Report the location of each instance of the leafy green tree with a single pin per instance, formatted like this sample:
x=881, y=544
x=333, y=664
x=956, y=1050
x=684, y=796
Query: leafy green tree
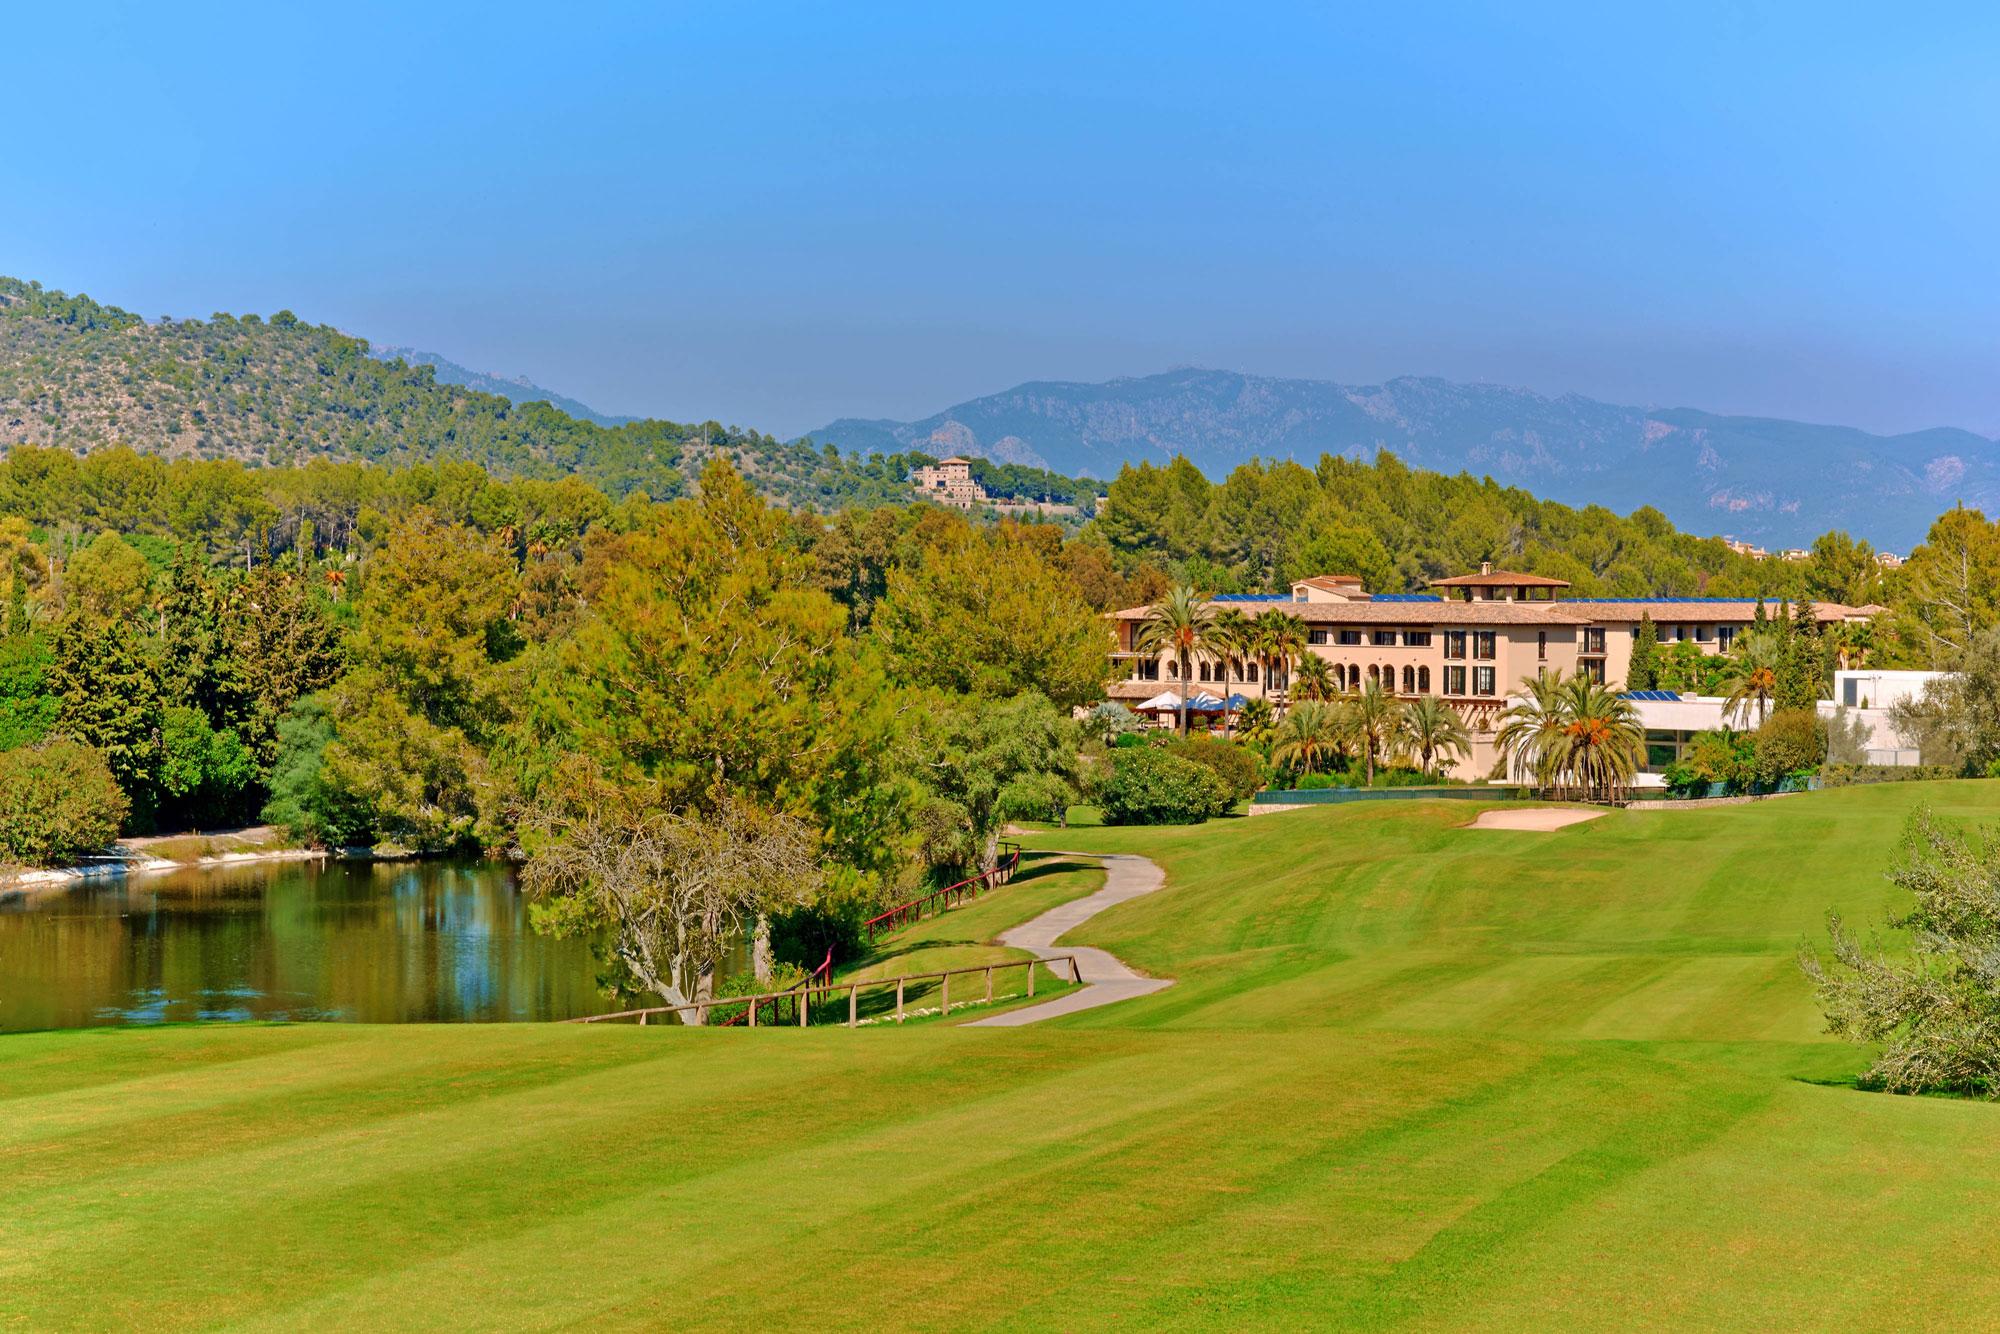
x=107, y=580
x=301, y=799
x=972, y=752
x=204, y=774
x=1791, y=740
x=1956, y=721
x=58, y=803
x=29, y=706
x=1644, y=671
x=110, y=700
x=991, y=616
x=1931, y=1019
x=1950, y=589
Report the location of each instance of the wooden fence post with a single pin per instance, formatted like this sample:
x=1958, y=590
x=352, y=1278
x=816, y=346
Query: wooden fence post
x=753, y=1014
x=989, y=984
x=1032, y=966
x=805, y=1005
x=946, y=993
x=899, y=1000
x=853, y=1003
x=642, y=1018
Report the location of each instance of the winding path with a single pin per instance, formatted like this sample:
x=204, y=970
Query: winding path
x=1105, y=979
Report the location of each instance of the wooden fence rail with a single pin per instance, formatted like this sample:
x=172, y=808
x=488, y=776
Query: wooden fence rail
x=950, y=896
x=802, y=1000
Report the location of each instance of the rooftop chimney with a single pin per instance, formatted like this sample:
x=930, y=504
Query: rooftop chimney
x=1486, y=567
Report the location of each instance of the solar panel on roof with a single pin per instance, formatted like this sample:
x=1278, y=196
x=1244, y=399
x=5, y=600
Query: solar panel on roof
x=1251, y=597
x=1653, y=696
x=1407, y=597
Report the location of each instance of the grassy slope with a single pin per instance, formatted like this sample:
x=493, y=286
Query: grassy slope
x=1411, y=1074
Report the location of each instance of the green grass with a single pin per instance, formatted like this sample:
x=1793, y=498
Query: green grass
x=1411, y=1075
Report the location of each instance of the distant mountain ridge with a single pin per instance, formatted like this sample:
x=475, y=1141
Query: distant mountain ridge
x=516, y=389
x=1768, y=480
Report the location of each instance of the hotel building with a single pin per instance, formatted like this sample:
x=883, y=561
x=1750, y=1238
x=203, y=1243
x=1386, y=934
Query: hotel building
x=1472, y=641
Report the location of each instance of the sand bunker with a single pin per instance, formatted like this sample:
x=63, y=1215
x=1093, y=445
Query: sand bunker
x=1542, y=818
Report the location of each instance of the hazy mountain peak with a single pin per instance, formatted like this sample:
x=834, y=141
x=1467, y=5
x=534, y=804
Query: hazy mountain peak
x=1765, y=479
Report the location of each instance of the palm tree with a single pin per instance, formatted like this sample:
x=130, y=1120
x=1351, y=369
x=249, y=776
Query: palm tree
x=1529, y=727
x=1430, y=727
x=1232, y=635
x=1603, y=741
x=1257, y=721
x=1309, y=737
x=1753, y=676
x=1372, y=714
x=1314, y=680
x=1178, y=624
x=1281, y=637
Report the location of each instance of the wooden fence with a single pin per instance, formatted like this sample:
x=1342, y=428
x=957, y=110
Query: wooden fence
x=800, y=1002
x=949, y=897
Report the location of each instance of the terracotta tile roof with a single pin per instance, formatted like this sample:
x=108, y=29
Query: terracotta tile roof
x=1333, y=582
x=1698, y=609
x=1500, y=579
x=1408, y=613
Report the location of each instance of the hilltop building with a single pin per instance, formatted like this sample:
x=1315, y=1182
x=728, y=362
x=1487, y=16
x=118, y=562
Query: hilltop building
x=950, y=482
x=1471, y=642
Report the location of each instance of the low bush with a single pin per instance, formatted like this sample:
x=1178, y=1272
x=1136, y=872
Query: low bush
x=1855, y=775
x=58, y=803
x=1130, y=741
x=1791, y=741
x=1042, y=797
x=1237, y=766
x=1155, y=786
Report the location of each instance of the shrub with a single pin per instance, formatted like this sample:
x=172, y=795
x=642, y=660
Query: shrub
x=1790, y=741
x=1236, y=766
x=1043, y=797
x=1318, y=782
x=1855, y=775
x=1158, y=787
x=58, y=802
x=1130, y=741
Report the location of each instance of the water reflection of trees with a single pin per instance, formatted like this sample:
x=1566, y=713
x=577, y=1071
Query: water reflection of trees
x=381, y=943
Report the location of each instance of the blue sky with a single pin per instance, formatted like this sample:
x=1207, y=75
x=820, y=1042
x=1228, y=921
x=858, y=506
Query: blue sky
x=775, y=215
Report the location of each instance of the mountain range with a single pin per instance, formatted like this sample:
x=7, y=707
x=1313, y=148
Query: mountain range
x=1762, y=479
x=515, y=389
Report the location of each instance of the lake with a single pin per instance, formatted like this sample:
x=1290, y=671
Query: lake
x=367, y=942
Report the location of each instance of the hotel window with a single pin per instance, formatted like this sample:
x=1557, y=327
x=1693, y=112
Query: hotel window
x=1409, y=680
x=1701, y=634
x=1593, y=639
x=1204, y=671
x=1424, y=680
x=1350, y=637
x=1725, y=635
x=1482, y=644
x=1541, y=645
x=1250, y=672
x=1454, y=680
x=1482, y=680
x=1316, y=637
x=1149, y=669
x=1174, y=670
x=1454, y=644
x=1593, y=669
x=1416, y=639
x=1385, y=638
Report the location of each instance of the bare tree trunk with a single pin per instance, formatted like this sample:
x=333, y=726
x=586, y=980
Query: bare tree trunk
x=760, y=951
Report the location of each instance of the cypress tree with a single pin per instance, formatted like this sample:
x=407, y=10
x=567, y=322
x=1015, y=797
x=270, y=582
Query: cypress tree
x=1644, y=673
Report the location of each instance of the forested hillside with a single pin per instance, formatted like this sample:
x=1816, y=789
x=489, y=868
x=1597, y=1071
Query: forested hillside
x=85, y=376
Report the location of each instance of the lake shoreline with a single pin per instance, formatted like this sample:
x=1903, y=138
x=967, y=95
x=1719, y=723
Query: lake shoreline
x=130, y=859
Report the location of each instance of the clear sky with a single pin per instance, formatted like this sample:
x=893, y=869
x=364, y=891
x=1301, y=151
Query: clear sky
x=774, y=215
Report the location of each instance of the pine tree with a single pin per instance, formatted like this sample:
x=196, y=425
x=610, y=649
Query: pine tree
x=1644, y=671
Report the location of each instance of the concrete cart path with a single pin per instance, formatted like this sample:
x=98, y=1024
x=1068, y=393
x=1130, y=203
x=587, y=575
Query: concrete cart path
x=1105, y=979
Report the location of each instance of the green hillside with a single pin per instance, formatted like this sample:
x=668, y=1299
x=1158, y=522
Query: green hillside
x=1411, y=1075
x=85, y=376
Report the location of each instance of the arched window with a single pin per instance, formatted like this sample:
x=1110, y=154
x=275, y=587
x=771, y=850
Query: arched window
x=1374, y=672
x=1250, y=672
x=1204, y=669
x=1424, y=680
x=1174, y=669
x=1409, y=680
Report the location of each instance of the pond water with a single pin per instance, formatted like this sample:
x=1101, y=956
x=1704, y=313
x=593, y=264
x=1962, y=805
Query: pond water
x=370, y=942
